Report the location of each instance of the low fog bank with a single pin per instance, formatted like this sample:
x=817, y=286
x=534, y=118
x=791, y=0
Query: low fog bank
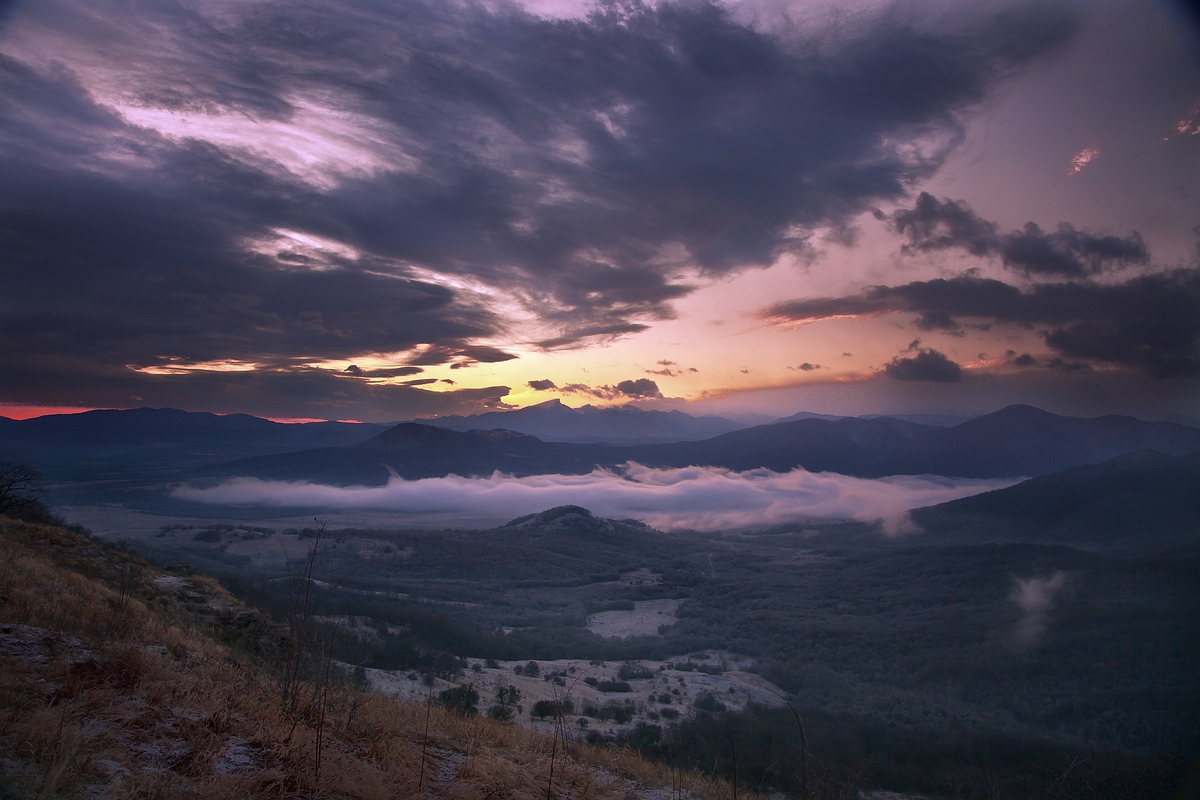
x=701, y=498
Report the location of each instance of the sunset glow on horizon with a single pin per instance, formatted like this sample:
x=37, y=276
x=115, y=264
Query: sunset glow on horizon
x=382, y=211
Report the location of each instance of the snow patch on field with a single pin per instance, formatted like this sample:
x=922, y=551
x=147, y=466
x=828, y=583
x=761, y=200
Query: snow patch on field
x=645, y=619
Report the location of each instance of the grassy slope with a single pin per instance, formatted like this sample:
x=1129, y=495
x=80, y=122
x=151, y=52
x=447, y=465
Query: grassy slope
x=120, y=679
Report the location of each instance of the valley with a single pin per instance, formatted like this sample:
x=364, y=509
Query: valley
x=879, y=641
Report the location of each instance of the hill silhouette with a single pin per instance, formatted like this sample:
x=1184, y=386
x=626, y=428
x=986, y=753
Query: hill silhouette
x=1139, y=500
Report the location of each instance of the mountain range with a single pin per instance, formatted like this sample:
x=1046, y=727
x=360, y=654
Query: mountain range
x=555, y=422
x=1013, y=442
x=161, y=437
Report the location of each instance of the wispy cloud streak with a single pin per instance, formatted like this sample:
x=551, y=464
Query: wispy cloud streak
x=1036, y=597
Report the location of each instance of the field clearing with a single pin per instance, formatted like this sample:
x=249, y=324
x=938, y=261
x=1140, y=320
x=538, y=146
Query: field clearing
x=645, y=619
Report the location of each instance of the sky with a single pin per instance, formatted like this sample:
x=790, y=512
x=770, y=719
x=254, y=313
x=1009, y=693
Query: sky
x=370, y=210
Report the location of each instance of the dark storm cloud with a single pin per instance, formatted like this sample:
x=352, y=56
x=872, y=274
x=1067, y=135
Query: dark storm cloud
x=553, y=161
x=486, y=355
x=936, y=321
x=461, y=357
x=655, y=124
x=392, y=372
x=635, y=389
x=669, y=369
x=946, y=224
x=926, y=365
x=149, y=273
x=1062, y=365
x=1151, y=322
x=138, y=261
x=275, y=392
x=633, y=289
x=639, y=387
x=581, y=337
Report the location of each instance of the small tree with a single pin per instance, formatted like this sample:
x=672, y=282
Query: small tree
x=707, y=701
x=462, y=700
x=507, y=695
x=500, y=713
x=552, y=708
x=20, y=485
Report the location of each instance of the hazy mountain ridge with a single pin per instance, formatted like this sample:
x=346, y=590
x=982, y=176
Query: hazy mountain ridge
x=413, y=451
x=850, y=446
x=1026, y=440
x=1141, y=500
x=937, y=420
x=554, y=421
x=1013, y=442
x=164, y=436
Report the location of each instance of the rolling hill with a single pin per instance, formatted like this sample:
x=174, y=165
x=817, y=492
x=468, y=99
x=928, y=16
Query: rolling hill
x=1139, y=500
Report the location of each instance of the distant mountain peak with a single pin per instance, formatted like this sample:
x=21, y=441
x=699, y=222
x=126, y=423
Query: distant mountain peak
x=407, y=435
x=1024, y=410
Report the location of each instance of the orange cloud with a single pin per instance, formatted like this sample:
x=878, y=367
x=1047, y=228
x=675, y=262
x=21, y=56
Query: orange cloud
x=1081, y=159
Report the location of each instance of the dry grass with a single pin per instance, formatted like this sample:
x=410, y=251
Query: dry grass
x=113, y=685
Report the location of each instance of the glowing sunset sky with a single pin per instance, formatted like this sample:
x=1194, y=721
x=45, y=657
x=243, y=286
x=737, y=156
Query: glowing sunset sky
x=381, y=209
